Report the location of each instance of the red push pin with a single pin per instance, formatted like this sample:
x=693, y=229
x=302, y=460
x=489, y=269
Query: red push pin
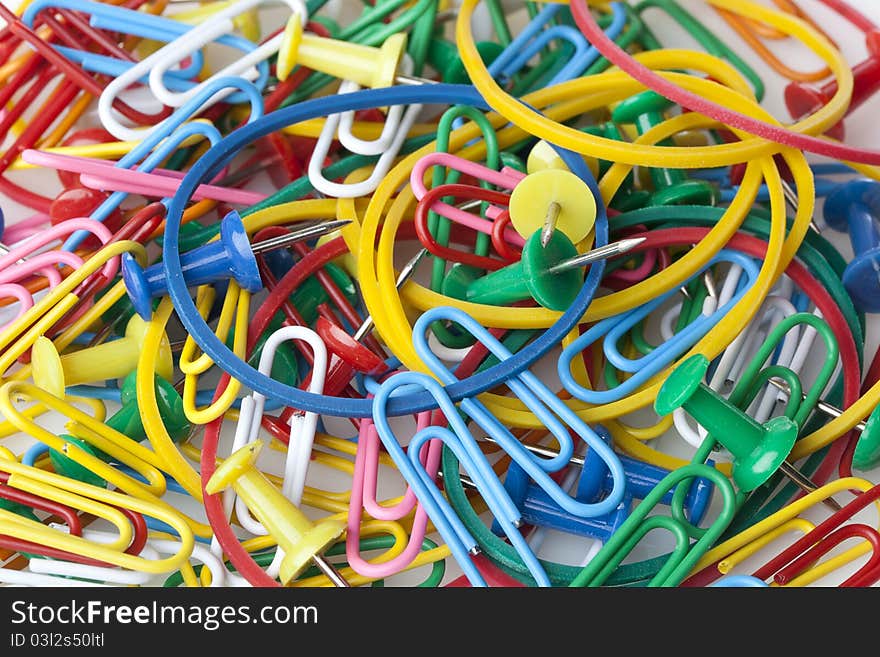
x=803, y=100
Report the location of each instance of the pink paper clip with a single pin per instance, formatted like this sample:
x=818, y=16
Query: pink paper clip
x=507, y=178
x=363, y=497
x=161, y=183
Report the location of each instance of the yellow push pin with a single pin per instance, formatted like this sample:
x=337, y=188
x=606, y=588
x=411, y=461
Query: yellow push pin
x=365, y=65
x=111, y=360
x=300, y=538
x=552, y=199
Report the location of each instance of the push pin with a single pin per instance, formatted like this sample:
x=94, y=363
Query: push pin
x=366, y=65
x=671, y=186
x=301, y=540
x=854, y=207
x=54, y=372
x=867, y=453
x=803, y=100
x=546, y=273
x=348, y=352
x=549, y=199
x=759, y=450
x=127, y=421
x=594, y=483
x=231, y=256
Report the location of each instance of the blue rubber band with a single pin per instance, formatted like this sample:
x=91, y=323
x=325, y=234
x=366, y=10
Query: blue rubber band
x=220, y=154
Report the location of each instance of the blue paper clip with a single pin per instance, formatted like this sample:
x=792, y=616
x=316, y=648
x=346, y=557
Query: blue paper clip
x=593, y=484
x=167, y=137
x=534, y=37
x=550, y=410
x=613, y=328
x=467, y=450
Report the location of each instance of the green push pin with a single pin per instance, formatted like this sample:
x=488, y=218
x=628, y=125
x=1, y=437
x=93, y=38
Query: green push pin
x=867, y=453
x=127, y=421
x=443, y=56
x=67, y=467
x=759, y=450
x=549, y=273
x=671, y=186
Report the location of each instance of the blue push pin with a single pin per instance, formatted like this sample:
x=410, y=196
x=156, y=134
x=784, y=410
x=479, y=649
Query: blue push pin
x=594, y=483
x=232, y=256
x=854, y=207
x=641, y=478
x=537, y=508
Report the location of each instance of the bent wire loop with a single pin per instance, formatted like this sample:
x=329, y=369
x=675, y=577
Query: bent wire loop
x=614, y=328
x=363, y=499
x=302, y=432
x=467, y=450
x=685, y=553
x=559, y=419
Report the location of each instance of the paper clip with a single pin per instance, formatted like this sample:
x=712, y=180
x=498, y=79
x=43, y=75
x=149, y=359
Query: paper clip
x=466, y=449
x=116, y=576
x=533, y=38
x=18, y=336
x=707, y=568
x=396, y=129
x=52, y=486
x=105, y=175
x=709, y=41
x=363, y=499
x=193, y=39
x=684, y=554
x=302, y=430
x=613, y=328
x=751, y=30
x=117, y=18
x=118, y=446
x=163, y=139
x=553, y=412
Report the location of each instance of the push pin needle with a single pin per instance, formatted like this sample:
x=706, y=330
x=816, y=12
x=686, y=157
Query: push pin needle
x=825, y=407
x=600, y=253
x=800, y=479
x=405, y=274
x=298, y=235
x=791, y=198
x=550, y=220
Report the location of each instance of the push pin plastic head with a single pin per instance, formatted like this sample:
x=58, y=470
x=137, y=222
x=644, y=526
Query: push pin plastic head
x=232, y=256
x=550, y=200
x=854, y=207
x=547, y=273
x=53, y=372
x=867, y=453
x=671, y=186
x=803, y=100
x=301, y=540
x=368, y=66
x=758, y=449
